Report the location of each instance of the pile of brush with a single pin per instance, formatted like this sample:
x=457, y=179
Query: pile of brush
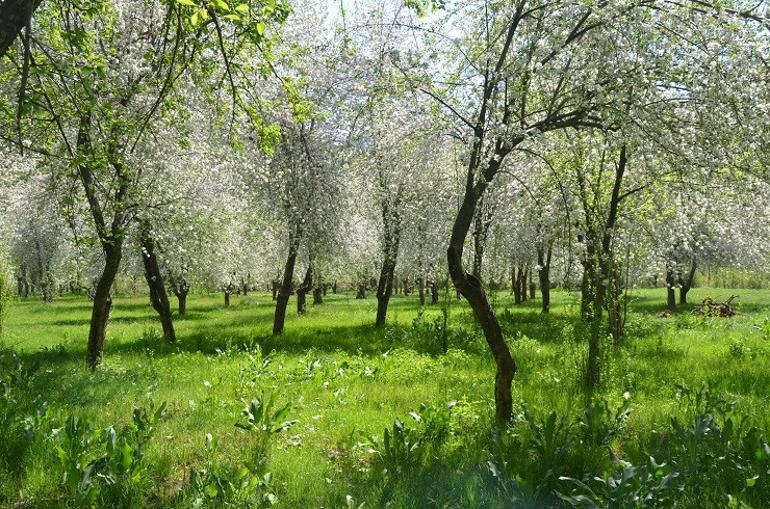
x=710, y=307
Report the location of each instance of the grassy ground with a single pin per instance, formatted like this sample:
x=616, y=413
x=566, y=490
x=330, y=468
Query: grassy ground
x=347, y=381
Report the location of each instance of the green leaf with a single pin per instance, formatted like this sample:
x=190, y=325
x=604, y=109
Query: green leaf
x=188, y=3
x=242, y=8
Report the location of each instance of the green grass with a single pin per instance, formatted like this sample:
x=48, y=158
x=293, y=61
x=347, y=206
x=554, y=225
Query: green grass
x=362, y=380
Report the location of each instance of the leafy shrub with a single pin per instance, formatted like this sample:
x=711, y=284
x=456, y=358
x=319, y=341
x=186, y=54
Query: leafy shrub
x=263, y=420
x=530, y=456
x=222, y=486
x=632, y=487
x=403, y=447
x=108, y=464
x=21, y=417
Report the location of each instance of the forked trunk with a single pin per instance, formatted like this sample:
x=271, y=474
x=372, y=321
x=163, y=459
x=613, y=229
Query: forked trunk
x=304, y=288
x=158, y=295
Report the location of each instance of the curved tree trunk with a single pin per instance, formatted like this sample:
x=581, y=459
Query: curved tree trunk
x=470, y=288
x=158, y=295
x=100, y=313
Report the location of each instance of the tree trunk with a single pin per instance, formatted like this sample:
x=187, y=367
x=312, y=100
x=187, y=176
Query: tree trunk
x=384, y=290
x=228, y=289
x=421, y=290
x=670, y=291
x=14, y=15
x=244, y=287
x=304, y=288
x=158, y=295
x=434, y=295
x=180, y=288
x=284, y=292
x=516, y=285
x=318, y=293
x=532, y=287
x=182, y=300
x=275, y=287
x=361, y=292
x=544, y=275
x=473, y=291
x=100, y=313
x=523, y=284
x=686, y=283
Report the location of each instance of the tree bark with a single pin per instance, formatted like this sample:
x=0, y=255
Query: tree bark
x=100, y=313
x=686, y=282
x=670, y=290
x=154, y=278
x=544, y=275
x=470, y=287
x=228, y=289
x=361, y=292
x=14, y=15
x=434, y=294
x=384, y=290
x=158, y=295
x=285, y=290
x=180, y=288
x=303, y=289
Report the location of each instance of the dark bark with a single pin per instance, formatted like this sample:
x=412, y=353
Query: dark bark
x=434, y=294
x=110, y=236
x=384, y=290
x=303, y=289
x=181, y=288
x=14, y=15
x=544, y=275
x=318, y=295
x=275, y=285
x=361, y=292
x=471, y=288
x=670, y=289
x=285, y=290
x=100, y=313
x=523, y=284
x=228, y=290
x=154, y=278
x=334, y=287
x=686, y=282
x=421, y=290
x=244, y=287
